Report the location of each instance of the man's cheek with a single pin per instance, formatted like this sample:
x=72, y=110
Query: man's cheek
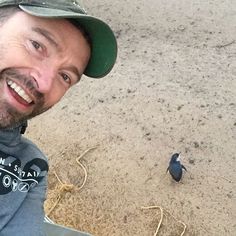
x=14, y=59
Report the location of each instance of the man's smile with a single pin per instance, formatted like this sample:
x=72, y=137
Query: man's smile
x=19, y=93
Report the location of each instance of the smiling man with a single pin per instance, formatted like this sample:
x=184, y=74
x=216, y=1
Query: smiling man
x=43, y=58
x=45, y=48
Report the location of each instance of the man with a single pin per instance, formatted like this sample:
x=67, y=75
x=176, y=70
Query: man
x=45, y=47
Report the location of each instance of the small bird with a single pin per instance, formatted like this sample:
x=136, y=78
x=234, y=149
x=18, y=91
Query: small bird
x=175, y=167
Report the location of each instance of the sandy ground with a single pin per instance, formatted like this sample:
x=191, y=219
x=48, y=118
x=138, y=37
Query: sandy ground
x=173, y=89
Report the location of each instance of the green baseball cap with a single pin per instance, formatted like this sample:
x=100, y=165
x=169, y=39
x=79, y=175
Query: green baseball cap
x=103, y=41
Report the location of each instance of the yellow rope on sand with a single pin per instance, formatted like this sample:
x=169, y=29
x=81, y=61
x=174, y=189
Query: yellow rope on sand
x=160, y=222
x=81, y=165
x=68, y=187
x=64, y=188
x=184, y=225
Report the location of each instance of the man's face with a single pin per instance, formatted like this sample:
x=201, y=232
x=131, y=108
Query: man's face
x=40, y=59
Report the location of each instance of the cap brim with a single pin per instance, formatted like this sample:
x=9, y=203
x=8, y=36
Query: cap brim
x=103, y=41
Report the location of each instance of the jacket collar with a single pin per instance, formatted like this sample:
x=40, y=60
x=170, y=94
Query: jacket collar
x=12, y=136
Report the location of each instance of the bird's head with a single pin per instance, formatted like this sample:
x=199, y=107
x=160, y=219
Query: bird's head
x=175, y=157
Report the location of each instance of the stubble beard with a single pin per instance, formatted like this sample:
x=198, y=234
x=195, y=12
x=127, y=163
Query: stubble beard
x=9, y=115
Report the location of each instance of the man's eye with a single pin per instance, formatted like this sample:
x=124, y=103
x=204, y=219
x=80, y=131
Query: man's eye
x=36, y=45
x=66, y=78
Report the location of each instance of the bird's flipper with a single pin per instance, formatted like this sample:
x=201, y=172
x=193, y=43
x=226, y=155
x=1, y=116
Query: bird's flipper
x=184, y=167
x=167, y=169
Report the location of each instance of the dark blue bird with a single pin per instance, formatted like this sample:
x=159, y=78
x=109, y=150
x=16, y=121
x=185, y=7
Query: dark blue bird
x=175, y=167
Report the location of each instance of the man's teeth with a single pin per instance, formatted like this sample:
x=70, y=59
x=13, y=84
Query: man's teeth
x=19, y=91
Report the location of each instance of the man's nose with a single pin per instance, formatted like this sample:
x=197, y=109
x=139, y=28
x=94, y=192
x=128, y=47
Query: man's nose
x=44, y=79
